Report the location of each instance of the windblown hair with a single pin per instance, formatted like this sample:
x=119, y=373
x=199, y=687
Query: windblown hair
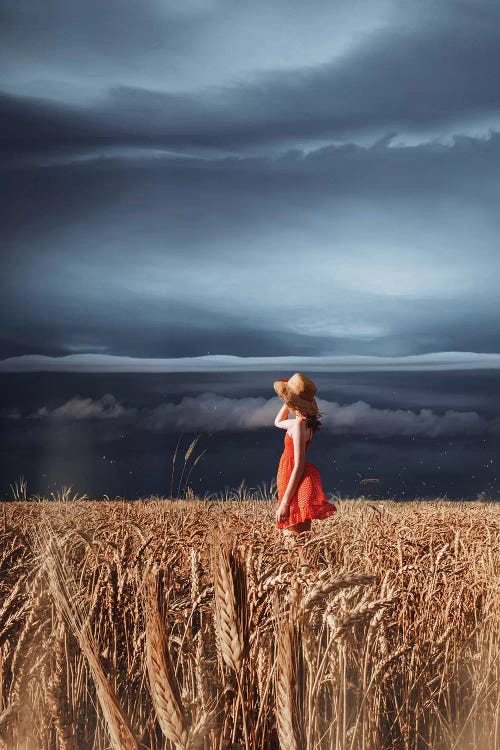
x=313, y=421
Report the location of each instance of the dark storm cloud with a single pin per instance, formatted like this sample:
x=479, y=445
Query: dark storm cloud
x=434, y=66
x=155, y=208
x=403, y=79
x=398, y=244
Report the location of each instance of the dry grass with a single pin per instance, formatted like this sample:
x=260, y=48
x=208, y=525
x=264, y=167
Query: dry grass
x=190, y=624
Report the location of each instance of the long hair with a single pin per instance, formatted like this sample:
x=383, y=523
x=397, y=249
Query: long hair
x=313, y=421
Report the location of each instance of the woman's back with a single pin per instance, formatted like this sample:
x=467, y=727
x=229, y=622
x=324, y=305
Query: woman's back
x=309, y=433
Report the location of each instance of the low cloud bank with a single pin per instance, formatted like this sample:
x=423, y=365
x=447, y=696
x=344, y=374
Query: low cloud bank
x=230, y=363
x=210, y=412
x=77, y=407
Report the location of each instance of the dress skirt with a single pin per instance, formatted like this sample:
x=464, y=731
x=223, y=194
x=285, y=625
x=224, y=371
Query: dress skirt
x=309, y=499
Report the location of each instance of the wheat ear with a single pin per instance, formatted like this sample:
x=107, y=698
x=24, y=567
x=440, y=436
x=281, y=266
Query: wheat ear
x=231, y=608
x=165, y=689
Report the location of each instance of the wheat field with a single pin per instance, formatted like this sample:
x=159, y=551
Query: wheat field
x=195, y=624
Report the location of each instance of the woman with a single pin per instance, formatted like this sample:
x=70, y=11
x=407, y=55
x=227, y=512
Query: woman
x=300, y=492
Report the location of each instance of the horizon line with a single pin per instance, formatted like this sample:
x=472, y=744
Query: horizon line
x=98, y=362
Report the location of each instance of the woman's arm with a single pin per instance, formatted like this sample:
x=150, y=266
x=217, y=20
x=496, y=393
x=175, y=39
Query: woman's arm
x=299, y=459
x=282, y=415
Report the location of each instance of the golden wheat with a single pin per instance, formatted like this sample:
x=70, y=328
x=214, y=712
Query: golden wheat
x=132, y=625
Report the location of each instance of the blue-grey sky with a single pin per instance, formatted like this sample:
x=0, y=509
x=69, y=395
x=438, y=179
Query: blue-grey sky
x=272, y=179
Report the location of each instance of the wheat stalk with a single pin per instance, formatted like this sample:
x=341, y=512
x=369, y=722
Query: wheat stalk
x=290, y=687
x=57, y=692
x=65, y=596
x=165, y=691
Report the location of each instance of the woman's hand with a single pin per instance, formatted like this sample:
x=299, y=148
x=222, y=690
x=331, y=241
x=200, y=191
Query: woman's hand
x=282, y=511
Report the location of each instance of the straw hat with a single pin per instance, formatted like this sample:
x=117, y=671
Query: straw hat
x=298, y=393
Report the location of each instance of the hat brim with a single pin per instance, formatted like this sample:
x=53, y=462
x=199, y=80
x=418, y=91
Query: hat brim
x=295, y=402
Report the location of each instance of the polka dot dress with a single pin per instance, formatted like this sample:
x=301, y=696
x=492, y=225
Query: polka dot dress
x=309, y=499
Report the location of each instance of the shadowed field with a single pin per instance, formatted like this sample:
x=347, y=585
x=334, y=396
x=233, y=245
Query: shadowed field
x=192, y=624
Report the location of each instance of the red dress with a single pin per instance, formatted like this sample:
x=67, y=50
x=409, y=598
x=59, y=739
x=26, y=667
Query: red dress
x=309, y=499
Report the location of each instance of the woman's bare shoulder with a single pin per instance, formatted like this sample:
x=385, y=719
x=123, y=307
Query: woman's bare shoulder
x=298, y=427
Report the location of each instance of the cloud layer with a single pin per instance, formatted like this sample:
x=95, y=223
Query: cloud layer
x=189, y=182
x=228, y=363
x=410, y=68
x=210, y=412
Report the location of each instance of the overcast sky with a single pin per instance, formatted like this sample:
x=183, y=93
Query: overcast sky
x=260, y=180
